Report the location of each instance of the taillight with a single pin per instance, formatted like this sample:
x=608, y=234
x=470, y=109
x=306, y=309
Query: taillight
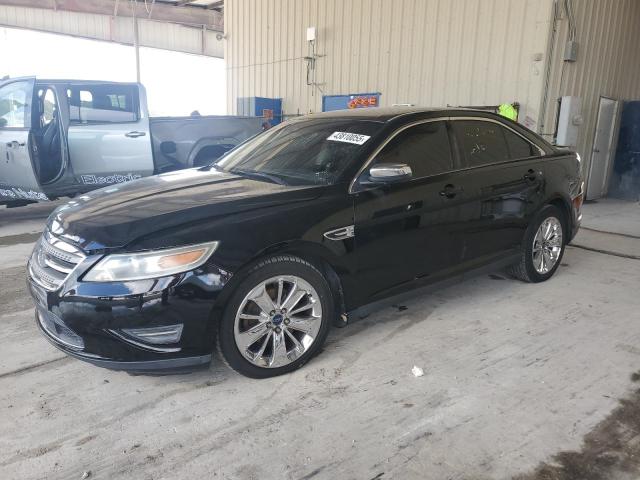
x=579, y=199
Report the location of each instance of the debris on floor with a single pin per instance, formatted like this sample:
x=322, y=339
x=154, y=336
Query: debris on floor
x=417, y=371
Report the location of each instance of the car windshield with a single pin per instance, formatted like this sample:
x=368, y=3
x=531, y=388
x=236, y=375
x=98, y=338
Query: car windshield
x=308, y=152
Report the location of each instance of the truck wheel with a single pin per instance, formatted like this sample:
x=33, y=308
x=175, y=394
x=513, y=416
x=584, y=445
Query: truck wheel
x=277, y=318
x=542, y=248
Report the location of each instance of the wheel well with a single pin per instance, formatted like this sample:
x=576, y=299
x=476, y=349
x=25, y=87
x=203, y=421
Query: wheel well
x=317, y=261
x=335, y=284
x=562, y=205
x=209, y=153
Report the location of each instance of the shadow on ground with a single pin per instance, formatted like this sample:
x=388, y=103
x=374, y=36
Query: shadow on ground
x=610, y=451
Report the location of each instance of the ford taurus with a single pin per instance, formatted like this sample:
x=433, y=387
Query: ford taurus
x=302, y=227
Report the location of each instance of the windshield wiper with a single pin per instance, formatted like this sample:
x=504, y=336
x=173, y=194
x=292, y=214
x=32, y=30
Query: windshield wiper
x=258, y=175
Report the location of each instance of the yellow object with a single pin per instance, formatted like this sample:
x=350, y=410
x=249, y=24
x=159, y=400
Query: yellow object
x=507, y=110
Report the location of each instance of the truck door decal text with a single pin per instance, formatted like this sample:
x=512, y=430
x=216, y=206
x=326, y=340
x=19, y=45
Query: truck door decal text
x=21, y=194
x=109, y=179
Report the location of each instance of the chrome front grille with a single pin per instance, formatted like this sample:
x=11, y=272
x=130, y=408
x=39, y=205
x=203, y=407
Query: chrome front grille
x=52, y=261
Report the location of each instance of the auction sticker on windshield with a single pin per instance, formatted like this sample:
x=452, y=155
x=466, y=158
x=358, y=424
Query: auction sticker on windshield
x=347, y=137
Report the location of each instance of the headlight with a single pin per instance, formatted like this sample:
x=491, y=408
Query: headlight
x=122, y=267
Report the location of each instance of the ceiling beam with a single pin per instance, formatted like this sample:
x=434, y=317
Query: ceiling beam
x=215, y=5
x=212, y=19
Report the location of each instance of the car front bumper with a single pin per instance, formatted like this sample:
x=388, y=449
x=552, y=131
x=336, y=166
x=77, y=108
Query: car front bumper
x=92, y=321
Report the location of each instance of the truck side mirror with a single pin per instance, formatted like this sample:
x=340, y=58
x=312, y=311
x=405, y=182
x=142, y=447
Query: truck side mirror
x=168, y=148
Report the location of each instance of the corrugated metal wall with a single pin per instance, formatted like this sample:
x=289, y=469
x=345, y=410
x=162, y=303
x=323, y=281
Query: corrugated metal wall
x=608, y=36
x=425, y=52
x=169, y=36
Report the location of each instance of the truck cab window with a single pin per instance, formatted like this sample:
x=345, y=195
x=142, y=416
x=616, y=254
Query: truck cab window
x=94, y=104
x=14, y=105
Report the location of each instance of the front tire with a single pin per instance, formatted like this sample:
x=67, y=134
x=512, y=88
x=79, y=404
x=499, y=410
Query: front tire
x=543, y=246
x=277, y=318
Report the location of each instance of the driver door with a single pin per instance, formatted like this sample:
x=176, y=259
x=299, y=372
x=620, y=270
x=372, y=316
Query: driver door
x=403, y=231
x=18, y=177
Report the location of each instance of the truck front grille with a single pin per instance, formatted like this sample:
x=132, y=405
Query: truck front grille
x=52, y=261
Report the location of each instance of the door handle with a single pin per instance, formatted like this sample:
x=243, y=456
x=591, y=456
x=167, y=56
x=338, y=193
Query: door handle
x=15, y=144
x=450, y=191
x=532, y=176
x=135, y=134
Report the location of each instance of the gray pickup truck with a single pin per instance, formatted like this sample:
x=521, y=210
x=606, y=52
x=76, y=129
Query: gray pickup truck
x=65, y=137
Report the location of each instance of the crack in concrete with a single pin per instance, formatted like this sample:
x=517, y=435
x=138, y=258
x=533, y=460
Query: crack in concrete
x=32, y=367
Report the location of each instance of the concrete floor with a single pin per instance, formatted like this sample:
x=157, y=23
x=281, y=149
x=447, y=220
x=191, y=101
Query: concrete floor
x=613, y=215
x=517, y=379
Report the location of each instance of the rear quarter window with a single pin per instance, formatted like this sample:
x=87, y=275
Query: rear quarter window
x=518, y=146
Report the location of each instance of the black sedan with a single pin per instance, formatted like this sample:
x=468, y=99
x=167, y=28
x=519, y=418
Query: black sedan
x=305, y=226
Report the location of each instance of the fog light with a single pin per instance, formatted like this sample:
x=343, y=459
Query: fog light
x=156, y=335
x=55, y=327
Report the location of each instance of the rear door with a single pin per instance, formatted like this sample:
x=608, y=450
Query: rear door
x=109, y=139
x=18, y=177
x=501, y=181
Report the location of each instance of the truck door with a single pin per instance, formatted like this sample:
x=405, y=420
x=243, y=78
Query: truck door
x=18, y=177
x=108, y=136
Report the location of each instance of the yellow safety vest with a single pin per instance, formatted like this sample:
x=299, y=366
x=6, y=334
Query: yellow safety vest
x=507, y=110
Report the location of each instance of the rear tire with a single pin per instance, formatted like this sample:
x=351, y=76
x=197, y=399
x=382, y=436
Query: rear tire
x=542, y=247
x=277, y=318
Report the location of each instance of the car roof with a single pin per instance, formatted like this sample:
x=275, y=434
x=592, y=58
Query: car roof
x=83, y=82
x=387, y=114
x=54, y=81
x=401, y=114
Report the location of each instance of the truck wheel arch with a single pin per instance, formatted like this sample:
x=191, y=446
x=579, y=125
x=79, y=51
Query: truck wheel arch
x=201, y=146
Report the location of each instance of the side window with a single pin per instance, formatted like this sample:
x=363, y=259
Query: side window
x=90, y=104
x=15, y=107
x=425, y=148
x=481, y=143
x=518, y=146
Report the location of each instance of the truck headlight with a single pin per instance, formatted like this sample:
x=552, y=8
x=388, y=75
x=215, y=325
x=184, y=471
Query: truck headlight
x=122, y=267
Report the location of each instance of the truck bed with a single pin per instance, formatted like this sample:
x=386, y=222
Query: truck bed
x=184, y=142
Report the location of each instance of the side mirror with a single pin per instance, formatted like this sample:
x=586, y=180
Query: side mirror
x=389, y=173
x=168, y=148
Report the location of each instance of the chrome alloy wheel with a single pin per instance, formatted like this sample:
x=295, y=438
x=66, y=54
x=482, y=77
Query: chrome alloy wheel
x=277, y=321
x=547, y=245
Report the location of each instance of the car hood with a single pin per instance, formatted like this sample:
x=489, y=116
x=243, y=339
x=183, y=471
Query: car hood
x=117, y=215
